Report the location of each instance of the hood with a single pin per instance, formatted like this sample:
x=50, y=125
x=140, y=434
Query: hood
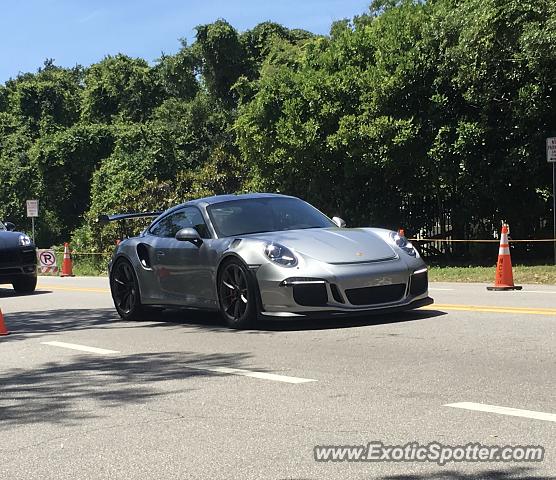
x=334, y=245
x=9, y=239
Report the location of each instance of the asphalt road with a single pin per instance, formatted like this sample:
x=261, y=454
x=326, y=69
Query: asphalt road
x=159, y=401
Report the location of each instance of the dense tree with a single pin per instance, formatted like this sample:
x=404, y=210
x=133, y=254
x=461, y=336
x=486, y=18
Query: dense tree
x=223, y=58
x=65, y=162
x=120, y=87
x=45, y=100
x=422, y=114
x=427, y=114
x=177, y=73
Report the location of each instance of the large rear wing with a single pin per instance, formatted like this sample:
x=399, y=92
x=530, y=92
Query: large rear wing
x=104, y=219
x=122, y=217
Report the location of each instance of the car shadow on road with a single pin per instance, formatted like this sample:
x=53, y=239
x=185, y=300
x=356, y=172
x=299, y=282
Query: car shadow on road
x=10, y=293
x=70, y=392
x=350, y=322
x=209, y=320
x=24, y=324
x=521, y=473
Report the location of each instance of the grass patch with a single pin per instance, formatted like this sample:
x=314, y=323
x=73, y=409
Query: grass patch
x=535, y=274
x=90, y=265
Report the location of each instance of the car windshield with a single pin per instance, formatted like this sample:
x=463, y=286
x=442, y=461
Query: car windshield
x=258, y=215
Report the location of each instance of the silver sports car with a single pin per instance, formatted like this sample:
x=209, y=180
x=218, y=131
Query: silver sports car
x=263, y=255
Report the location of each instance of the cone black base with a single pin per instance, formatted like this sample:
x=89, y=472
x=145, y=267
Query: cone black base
x=503, y=289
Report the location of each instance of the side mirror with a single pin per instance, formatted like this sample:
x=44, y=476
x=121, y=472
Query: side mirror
x=339, y=222
x=10, y=227
x=189, y=235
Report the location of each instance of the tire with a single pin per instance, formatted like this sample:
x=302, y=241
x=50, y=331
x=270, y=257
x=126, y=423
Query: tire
x=25, y=285
x=237, y=295
x=125, y=291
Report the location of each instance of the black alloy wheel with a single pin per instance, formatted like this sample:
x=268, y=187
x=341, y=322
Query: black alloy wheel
x=236, y=295
x=125, y=291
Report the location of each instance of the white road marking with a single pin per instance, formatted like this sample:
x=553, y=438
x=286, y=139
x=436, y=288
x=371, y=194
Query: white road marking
x=250, y=373
x=514, y=412
x=210, y=368
x=441, y=289
x=536, y=291
x=82, y=348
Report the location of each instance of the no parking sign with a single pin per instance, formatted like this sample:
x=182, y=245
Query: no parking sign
x=47, y=261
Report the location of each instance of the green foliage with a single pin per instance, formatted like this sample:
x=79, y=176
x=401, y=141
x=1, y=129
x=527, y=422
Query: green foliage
x=65, y=162
x=43, y=101
x=416, y=112
x=223, y=58
x=176, y=74
x=120, y=87
x=127, y=179
x=18, y=177
x=427, y=114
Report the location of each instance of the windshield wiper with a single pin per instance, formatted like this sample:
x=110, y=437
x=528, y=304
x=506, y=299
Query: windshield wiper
x=281, y=230
x=258, y=231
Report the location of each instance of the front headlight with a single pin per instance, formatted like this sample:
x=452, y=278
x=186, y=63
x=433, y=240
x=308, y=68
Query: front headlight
x=404, y=244
x=24, y=240
x=281, y=255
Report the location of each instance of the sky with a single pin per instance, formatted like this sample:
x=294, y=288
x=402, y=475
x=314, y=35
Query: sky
x=82, y=32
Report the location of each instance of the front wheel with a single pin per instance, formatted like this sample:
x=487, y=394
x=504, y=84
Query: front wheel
x=236, y=295
x=125, y=291
x=25, y=285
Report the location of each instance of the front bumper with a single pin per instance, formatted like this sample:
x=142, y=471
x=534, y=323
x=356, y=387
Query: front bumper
x=17, y=263
x=321, y=289
x=423, y=302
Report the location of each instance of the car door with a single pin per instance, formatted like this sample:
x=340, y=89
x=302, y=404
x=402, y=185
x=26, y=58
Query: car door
x=181, y=268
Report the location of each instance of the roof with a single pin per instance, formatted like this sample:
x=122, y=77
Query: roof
x=226, y=198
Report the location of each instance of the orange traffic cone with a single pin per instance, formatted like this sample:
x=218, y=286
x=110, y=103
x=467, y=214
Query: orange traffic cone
x=3, y=329
x=504, y=279
x=67, y=264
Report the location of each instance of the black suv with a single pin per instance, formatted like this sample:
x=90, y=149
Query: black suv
x=18, y=259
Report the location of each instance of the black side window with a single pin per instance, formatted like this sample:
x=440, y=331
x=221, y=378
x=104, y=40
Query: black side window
x=187, y=218
x=197, y=221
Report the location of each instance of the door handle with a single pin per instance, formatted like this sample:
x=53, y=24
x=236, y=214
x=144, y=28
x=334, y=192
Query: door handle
x=160, y=253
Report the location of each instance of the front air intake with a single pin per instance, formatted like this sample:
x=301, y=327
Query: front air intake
x=310, y=295
x=376, y=295
x=419, y=283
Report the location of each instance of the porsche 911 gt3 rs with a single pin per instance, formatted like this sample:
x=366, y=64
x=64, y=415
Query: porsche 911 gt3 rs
x=263, y=255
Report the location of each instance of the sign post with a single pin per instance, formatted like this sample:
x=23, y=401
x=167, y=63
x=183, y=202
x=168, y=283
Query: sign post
x=33, y=212
x=551, y=158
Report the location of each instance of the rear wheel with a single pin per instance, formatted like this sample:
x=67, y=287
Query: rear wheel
x=236, y=295
x=125, y=291
x=25, y=285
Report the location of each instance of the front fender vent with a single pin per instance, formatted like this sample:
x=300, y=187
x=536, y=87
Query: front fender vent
x=144, y=257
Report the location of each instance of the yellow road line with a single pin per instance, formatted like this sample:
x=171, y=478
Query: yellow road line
x=436, y=306
x=72, y=289
x=491, y=309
